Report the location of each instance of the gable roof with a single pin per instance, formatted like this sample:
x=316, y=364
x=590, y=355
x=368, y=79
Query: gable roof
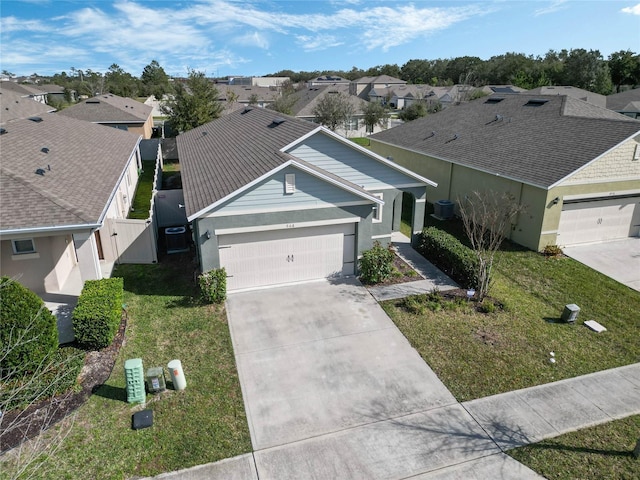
x=14, y=106
x=232, y=152
x=21, y=89
x=308, y=99
x=380, y=79
x=109, y=108
x=538, y=144
x=575, y=92
x=81, y=165
x=623, y=101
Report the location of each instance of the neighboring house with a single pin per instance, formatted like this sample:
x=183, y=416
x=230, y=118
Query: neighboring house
x=307, y=101
x=626, y=103
x=62, y=181
x=25, y=91
x=363, y=86
x=575, y=166
x=114, y=111
x=243, y=95
x=327, y=80
x=259, y=81
x=274, y=199
x=14, y=106
x=574, y=92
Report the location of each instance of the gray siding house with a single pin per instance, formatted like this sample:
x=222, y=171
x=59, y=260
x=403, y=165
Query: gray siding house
x=277, y=200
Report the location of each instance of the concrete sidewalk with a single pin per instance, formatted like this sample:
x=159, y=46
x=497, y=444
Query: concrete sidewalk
x=433, y=277
x=521, y=417
x=445, y=451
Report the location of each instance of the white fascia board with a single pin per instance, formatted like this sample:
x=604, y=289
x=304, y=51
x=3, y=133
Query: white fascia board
x=362, y=150
x=53, y=230
x=293, y=208
x=122, y=174
x=237, y=192
x=594, y=160
x=288, y=163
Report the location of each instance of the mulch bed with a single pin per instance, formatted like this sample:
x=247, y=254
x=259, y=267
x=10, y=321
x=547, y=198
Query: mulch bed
x=98, y=366
x=404, y=268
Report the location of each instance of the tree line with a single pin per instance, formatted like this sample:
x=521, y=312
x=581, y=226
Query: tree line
x=581, y=68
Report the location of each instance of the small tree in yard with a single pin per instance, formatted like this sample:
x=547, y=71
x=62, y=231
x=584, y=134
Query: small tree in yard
x=376, y=264
x=334, y=110
x=487, y=217
x=374, y=114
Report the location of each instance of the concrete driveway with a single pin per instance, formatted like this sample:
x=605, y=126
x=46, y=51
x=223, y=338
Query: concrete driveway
x=332, y=389
x=618, y=259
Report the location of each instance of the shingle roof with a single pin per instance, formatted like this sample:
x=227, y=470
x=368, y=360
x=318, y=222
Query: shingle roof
x=222, y=156
x=14, y=106
x=575, y=92
x=109, y=108
x=619, y=101
x=80, y=171
x=20, y=88
x=538, y=145
x=308, y=99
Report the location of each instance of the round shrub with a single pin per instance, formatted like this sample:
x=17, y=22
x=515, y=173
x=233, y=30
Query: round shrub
x=28, y=330
x=376, y=264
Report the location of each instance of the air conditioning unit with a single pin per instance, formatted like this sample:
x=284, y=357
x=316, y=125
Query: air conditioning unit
x=443, y=209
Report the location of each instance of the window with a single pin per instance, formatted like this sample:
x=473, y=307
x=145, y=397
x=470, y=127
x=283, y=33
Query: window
x=377, y=209
x=22, y=246
x=352, y=124
x=290, y=183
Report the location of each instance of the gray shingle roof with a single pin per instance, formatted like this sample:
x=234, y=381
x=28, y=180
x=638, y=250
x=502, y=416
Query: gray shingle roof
x=538, y=145
x=81, y=169
x=109, y=108
x=308, y=99
x=619, y=101
x=14, y=106
x=222, y=156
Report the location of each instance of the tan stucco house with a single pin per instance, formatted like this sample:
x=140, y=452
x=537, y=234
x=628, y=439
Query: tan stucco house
x=114, y=111
x=575, y=166
x=61, y=181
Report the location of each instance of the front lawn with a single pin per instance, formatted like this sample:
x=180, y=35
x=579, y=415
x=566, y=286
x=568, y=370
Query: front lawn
x=479, y=354
x=204, y=423
x=603, y=451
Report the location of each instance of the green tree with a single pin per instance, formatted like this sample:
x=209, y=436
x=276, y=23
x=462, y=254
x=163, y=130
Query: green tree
x=587, y=70
x=253, y=99
x=121, y=83
x=334, y=110
x=374, y=114
x=155, y=81
x=193, y=103
x=624, y=67
x=415, y=110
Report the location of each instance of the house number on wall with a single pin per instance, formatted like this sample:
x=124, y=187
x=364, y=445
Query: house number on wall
x=291, y=225
x=599, y=221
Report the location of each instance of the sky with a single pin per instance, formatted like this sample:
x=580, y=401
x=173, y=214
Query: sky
x=231, y=38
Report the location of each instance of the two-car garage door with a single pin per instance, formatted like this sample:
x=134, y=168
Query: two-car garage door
x=591, y=221
x=257, y=259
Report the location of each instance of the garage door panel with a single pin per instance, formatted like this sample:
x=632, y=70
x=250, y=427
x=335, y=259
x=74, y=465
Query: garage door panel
x=285, y=256
x=599, y=221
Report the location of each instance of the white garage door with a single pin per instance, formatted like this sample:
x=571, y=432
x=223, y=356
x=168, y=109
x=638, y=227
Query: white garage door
x=275, y=257
x=599, y=221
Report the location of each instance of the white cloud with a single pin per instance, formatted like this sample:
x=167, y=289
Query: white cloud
x=553, y=7
x=313, y=43
x=255, y=39
x=13, y=24
x=635, y=10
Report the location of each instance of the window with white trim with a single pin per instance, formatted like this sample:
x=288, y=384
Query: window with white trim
x=290, y=183
x=23, y=245
x=377, y=208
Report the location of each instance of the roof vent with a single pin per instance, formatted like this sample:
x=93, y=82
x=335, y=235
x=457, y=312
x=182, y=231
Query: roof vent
x=278, y=120
x=44, y=150
x=494, y=100
x=246, y=110
x=536, y=102
x=35, y=119
x=40, y=172
x=3, y=131
x=92, y=101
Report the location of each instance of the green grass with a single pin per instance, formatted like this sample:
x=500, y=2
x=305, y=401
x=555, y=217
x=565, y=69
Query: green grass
x=362, y=141
x=142, y=199
x=203, y=423
x=477, y=354
x=604, y=451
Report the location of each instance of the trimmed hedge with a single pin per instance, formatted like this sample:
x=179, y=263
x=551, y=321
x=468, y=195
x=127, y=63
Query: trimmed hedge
x=23, y=314
x=98, y=314
x=448, y=254
x=213, y=285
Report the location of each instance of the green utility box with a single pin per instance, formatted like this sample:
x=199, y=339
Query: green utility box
x=155, y=380
x=134, y=376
